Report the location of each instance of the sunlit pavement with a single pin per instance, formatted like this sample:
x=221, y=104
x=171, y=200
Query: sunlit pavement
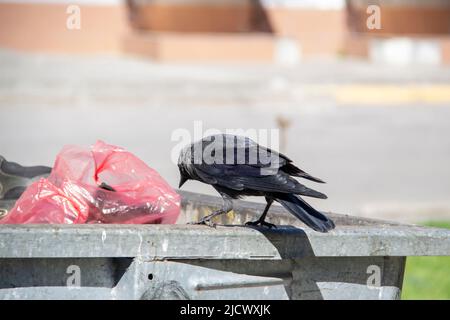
x=379, y=135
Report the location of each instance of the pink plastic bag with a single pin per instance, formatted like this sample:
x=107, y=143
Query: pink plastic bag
x=103, y=184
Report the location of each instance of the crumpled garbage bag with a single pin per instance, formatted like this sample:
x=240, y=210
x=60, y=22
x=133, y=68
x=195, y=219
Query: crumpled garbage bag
x=101, y=184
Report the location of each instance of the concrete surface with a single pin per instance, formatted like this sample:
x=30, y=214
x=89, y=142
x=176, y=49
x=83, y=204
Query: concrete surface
x=375, y=157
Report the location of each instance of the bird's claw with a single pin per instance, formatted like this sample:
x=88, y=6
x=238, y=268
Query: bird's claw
x=206, y=222
x=260, y=223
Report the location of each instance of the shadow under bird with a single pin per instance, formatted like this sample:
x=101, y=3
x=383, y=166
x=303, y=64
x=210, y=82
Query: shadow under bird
x=237, y=166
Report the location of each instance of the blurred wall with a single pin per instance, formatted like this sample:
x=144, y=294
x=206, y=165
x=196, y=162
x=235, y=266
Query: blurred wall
x=41, y=26
x=402, y=17
x=412, y=31
x=242, y=29
x=196, y=15
x=227, y=30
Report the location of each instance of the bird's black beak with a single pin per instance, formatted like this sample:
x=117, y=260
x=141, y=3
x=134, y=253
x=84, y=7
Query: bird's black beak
x=182, y=181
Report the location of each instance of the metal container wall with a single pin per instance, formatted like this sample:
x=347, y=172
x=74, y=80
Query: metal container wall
x=360, y=259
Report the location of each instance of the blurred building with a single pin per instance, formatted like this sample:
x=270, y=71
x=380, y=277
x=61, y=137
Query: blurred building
x=281, y=31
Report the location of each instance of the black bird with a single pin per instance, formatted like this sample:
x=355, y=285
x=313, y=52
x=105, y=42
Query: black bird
x=237, y=166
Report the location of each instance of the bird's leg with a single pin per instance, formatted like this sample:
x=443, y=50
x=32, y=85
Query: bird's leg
x=226, y=207
x=261, y=221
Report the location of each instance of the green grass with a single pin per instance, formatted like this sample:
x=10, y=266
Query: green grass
x=427, y=277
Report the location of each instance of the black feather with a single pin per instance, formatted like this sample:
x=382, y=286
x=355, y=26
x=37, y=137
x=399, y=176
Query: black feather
x=292, y=170
x=303, y=211
x=254, y=170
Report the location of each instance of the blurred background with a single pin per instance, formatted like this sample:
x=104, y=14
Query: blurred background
x=361, y=94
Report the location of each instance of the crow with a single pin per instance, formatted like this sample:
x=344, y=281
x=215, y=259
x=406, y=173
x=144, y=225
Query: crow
x=237, y=166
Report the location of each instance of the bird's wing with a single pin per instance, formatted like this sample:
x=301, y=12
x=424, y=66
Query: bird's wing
x=239, y=163
x=281, y=183
x=244, y=150
x=245, y=177
x=229, y=149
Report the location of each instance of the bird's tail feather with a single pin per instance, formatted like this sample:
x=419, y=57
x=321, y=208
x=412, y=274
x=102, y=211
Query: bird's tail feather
x=297, y=172
x=307, y=214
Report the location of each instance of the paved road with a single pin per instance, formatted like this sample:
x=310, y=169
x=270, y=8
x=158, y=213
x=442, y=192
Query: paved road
x=387, y=160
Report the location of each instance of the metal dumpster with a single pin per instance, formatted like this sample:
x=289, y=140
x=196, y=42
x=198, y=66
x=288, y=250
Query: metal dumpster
x=360, y=259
